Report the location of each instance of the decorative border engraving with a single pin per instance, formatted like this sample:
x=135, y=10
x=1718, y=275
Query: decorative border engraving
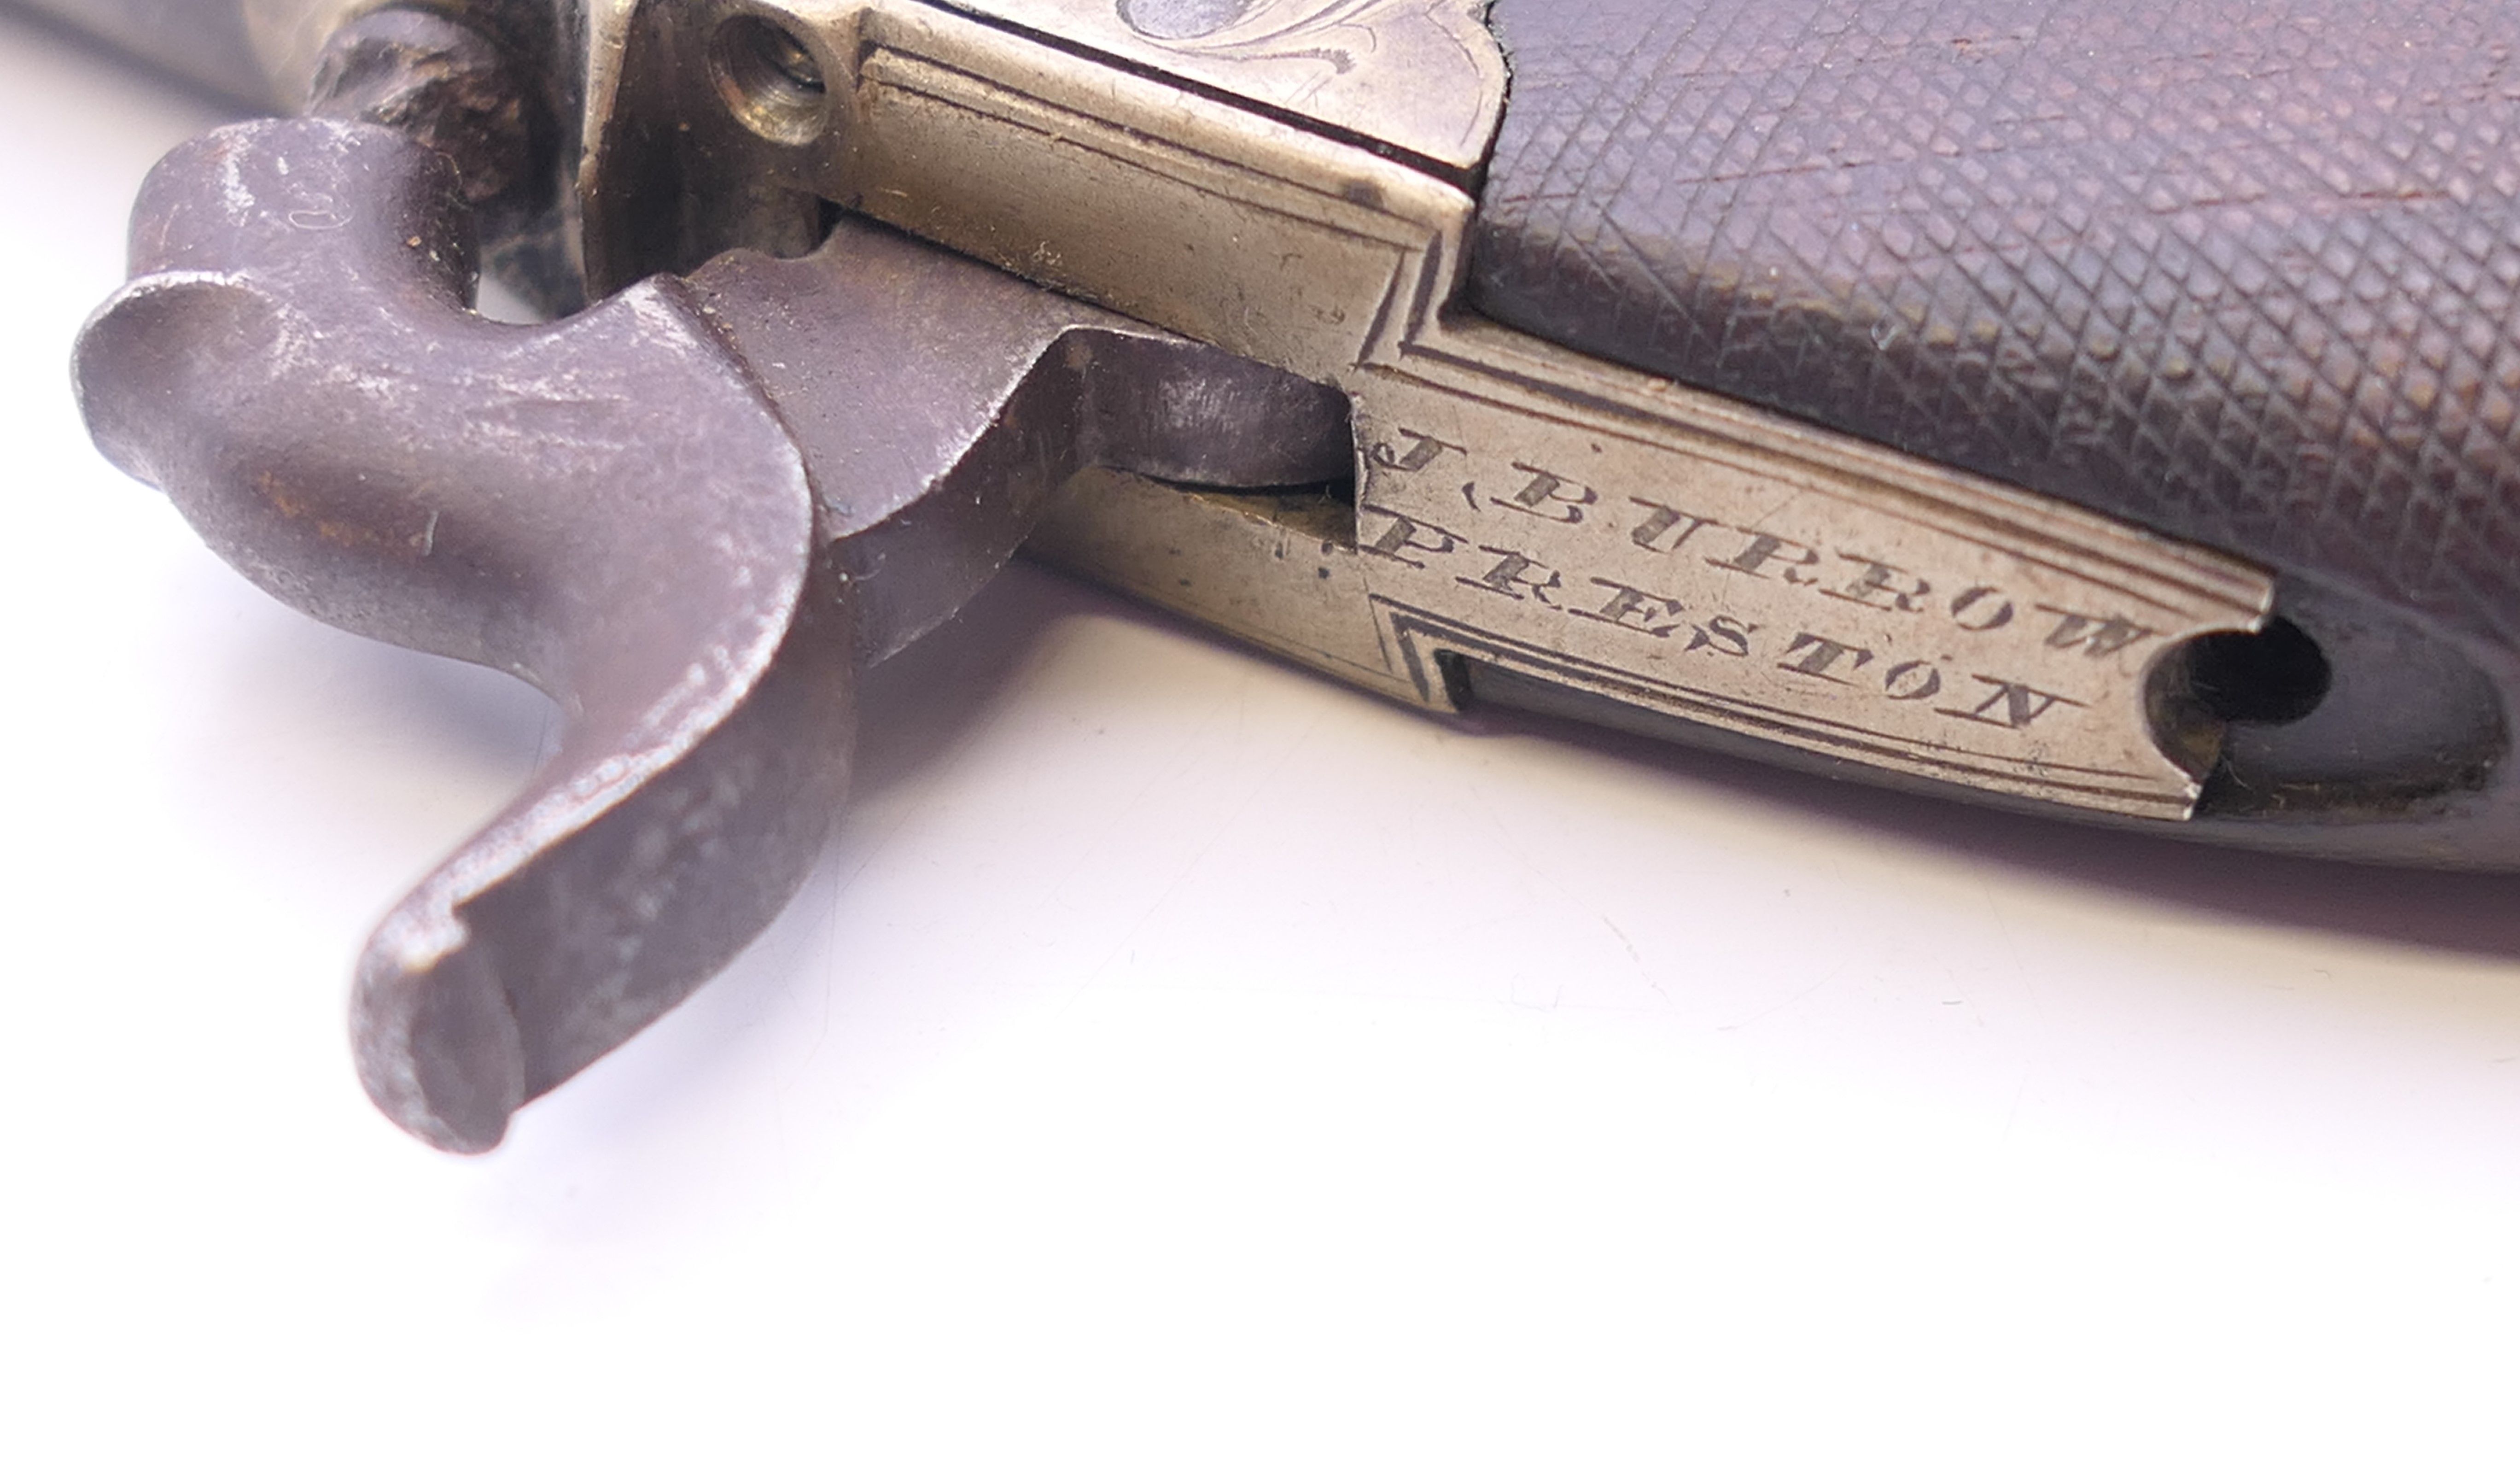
x=1875, y=628
x=1417, y=636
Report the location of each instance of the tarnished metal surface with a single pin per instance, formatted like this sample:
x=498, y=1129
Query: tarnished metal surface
x=1518, y=505
x=688, y=515
x=295, y=366
x=791, y=440
x=1858, y=614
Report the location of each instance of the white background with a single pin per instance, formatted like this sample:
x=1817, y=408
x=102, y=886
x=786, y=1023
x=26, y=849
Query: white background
x=1179, y=1054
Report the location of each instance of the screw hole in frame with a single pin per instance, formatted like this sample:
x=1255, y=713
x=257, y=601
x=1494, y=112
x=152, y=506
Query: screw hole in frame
x=770, y=80
x=2276, y=676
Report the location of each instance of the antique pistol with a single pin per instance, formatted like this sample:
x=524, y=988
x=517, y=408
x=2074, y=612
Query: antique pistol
x=2107, y=409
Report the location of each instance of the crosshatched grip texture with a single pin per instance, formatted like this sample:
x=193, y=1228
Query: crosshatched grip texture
x=2245, y=272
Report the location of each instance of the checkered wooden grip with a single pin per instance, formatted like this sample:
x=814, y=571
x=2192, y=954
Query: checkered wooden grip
x=2247, y=271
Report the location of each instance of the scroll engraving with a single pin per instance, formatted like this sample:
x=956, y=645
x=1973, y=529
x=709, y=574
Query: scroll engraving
x=1184, y=20
x=1422, y=75
x=1332, y=34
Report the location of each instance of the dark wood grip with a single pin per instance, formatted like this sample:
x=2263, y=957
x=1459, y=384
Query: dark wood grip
x=2244, y=271
x=2248, y=272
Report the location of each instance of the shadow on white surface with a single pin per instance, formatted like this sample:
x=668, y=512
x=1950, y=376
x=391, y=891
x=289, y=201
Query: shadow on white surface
x=937, y=688
x=1174, y=1053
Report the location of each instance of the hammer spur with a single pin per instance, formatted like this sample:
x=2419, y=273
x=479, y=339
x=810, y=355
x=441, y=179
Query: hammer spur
x=689, y=515
x=297, y=367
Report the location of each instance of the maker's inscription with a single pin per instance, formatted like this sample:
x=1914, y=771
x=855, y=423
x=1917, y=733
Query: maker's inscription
x=1521, y=503
x=1947, y=646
